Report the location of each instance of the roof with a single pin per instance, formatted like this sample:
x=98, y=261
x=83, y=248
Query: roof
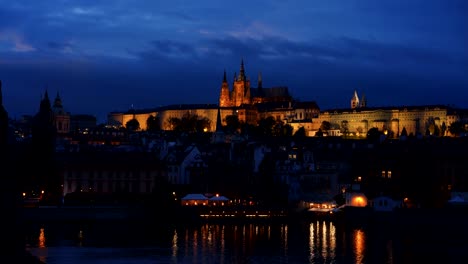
x=219, y=198
x=195, y=196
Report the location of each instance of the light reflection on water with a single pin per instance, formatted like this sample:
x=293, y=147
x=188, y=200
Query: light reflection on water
x=306, y=242
x=359, y=246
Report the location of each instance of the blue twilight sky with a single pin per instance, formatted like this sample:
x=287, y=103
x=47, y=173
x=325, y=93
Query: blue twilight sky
x=103, y=56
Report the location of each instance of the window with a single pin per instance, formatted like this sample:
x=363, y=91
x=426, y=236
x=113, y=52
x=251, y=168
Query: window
x=389, y=174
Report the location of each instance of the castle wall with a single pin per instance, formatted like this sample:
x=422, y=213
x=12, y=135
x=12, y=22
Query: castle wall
x=166, y=115
x=394, y=120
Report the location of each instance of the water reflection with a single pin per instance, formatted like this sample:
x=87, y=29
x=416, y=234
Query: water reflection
x=41, y=244
x=322, y=242
x=41, y=239
x=317, y=241
x=359, y=245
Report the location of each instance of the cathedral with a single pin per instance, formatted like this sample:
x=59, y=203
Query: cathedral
x=248, y=103
x=242, y=94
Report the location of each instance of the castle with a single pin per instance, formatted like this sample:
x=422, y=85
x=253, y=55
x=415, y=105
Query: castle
x=251, y=104
x=243, y=94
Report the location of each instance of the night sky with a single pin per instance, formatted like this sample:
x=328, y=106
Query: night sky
x=104, y=56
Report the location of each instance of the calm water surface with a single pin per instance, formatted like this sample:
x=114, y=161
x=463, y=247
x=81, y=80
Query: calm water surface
x=313, y=241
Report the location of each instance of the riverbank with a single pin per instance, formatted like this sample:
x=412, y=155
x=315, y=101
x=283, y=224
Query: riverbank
x=179, y=215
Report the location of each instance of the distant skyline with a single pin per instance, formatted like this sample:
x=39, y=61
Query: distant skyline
x=104, y=56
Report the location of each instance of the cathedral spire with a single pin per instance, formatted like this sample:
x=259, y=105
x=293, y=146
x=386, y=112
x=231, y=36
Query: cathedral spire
x=224, y=77
x=242, y=71
x=355, y=100
x=363, y=102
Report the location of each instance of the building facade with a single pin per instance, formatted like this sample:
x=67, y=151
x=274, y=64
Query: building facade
x=249, y=104
x=414, y=119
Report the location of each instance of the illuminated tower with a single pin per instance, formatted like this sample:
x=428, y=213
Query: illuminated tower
x=355, y=100
x=241, y=89
x=224, y=97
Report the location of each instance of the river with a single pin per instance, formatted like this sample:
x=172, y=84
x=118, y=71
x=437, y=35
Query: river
x=298, y=241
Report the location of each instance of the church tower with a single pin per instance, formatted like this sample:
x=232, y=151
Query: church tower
x=355, y=100
x=241, y=89
x=363, y=102
x=218, y=135
x=224, y=97
x=61, y=118
x=240, y=93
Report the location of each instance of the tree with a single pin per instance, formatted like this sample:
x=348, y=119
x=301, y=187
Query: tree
x=152, y=123
x=325, y=126
x=282, y=130
x=404, y=133
x=319, y=133
x=265, y=126
x=443, y=128
x=287, y=130
x=374, y=134
x=300, y=133
x=232, y=123
x=344, y=127
x=189, y=123
x=133, y=125
x=456, y=128
x=432, y=127
x=247, y=129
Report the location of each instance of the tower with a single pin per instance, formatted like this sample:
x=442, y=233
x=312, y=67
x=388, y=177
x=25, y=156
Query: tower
x=218, y=135
x=355, y=100
x=61, y=118
x=240, y=93
x=363, y=102
x=241, y=89
x=224, y=97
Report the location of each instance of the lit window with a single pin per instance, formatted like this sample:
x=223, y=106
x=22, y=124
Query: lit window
x=383, y=174
x=389, y=174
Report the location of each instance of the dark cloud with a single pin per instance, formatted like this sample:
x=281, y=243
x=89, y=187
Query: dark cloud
x=103, y=57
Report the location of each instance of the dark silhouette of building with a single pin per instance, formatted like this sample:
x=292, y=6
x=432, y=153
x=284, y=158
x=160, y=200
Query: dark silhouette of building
x=44, y=176
x=3, y=121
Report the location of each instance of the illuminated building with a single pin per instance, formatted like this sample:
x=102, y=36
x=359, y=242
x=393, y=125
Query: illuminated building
x=249, y=104
x=391, y=120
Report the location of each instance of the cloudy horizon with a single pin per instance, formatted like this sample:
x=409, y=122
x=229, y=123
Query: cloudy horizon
x=103, y=57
